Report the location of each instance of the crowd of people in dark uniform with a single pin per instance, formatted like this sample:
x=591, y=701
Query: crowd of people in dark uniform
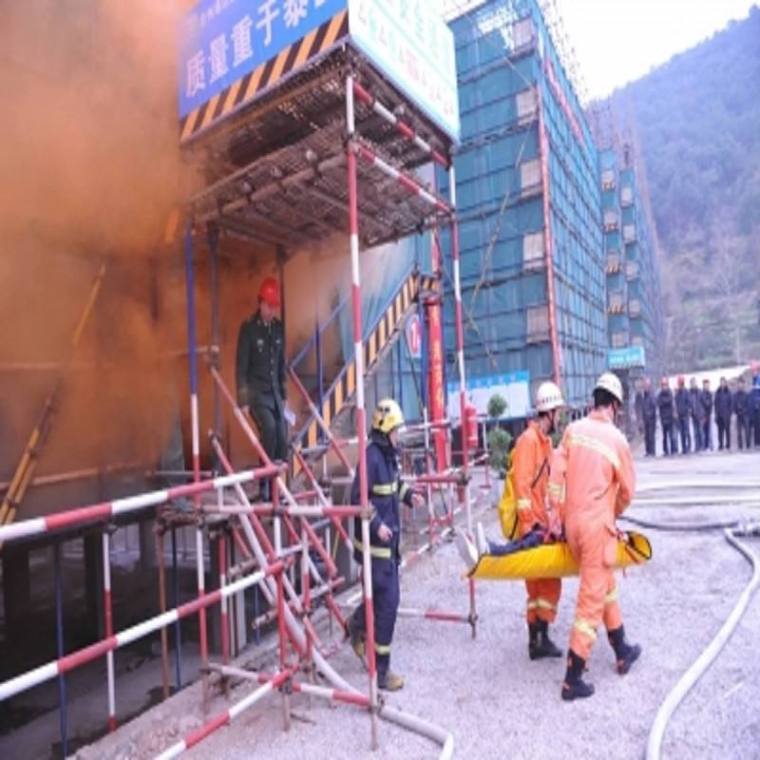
x=686, y=415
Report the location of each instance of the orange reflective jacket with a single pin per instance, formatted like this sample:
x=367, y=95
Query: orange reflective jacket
x=531, y=460
x=593, y=478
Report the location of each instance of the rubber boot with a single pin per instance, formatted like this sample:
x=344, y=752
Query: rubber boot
x=389, y=681
x=357, y=638
x=539, y=643
x=625, y=654
x=574, y=687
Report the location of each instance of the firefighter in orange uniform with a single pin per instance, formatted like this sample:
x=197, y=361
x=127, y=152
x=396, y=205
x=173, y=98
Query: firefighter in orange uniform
x=531, y=461
x=592, y=484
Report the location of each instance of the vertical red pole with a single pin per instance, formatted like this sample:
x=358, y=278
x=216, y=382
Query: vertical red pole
x=548, y=241
x=435, y=360
x=361, y=419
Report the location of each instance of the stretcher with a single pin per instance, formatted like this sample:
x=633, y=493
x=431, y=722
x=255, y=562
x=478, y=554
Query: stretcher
x=555, y=560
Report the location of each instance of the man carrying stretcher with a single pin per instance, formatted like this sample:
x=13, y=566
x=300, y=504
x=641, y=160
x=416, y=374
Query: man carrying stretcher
x=592, y=481
x=529, y=478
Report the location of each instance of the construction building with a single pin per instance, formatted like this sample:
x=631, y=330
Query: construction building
x=529, y=199
x=634, y=297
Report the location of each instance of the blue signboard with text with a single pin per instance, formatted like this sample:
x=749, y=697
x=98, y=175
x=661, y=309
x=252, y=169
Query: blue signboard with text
x=222, y=40
x=231, y=51
x=513, y=387
x=623, y=358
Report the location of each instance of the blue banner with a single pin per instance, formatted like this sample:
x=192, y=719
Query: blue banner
x=222, y=40
x=630, y=356
x=513, y=387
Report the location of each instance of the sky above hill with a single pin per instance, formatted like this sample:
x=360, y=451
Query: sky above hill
x=617, y=41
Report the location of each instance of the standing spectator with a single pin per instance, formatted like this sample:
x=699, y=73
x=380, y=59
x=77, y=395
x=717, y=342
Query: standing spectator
x=649, y=417
x=754, y=411
x=667, y=409
x=683, y=410
x=697, y=416
x=706, y=400
x=639, y=407
x=723, y=404
x=742, y=418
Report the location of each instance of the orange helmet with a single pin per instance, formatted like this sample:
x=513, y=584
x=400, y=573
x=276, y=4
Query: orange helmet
x=269, y=292
x=664, y=382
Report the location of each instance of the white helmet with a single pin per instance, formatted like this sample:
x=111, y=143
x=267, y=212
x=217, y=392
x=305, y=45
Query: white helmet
x=548, y=397
x=611, y=383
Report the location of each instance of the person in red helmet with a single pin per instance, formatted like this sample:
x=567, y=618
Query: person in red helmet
x=260, y=371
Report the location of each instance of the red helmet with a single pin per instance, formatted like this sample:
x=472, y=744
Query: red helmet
x=681, y=380
x=664, y=382
x=269, y=292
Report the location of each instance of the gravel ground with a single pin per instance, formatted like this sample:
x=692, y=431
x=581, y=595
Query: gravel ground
x=494, y=700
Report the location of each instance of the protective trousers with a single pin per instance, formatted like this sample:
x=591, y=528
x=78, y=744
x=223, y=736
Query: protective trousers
x=543, y=597
x=385, y=601
x=273, y=430
x=593, y=545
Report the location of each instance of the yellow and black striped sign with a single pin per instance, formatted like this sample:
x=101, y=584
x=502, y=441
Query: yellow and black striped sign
x=265, y=76
x=385, y=329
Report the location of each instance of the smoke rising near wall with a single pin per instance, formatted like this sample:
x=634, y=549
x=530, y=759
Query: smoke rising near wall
x=89, y=173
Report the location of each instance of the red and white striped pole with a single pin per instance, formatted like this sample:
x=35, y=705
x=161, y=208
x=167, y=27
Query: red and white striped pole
x=460, y=365
x=71, y=661
x=224, y=718
x=361, y=419
x=105, y=510
x=224, y=622
x=108, y=618
x=404, y=129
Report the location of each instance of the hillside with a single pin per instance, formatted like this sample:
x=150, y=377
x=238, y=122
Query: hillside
x=698, y=123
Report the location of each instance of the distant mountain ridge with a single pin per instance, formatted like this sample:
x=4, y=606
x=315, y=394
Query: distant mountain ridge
x=697, y=118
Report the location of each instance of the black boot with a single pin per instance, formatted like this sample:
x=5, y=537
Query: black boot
x=539, y=643
x=574, y=687
x=625, y=654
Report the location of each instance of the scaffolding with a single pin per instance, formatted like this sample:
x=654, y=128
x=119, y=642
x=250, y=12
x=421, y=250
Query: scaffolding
x=333, y=146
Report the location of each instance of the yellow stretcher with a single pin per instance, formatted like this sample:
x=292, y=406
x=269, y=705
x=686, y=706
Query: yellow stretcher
x=555, y=560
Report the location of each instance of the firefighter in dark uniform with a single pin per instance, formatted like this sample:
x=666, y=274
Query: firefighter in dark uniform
x=260, y=372
x=386, y=492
